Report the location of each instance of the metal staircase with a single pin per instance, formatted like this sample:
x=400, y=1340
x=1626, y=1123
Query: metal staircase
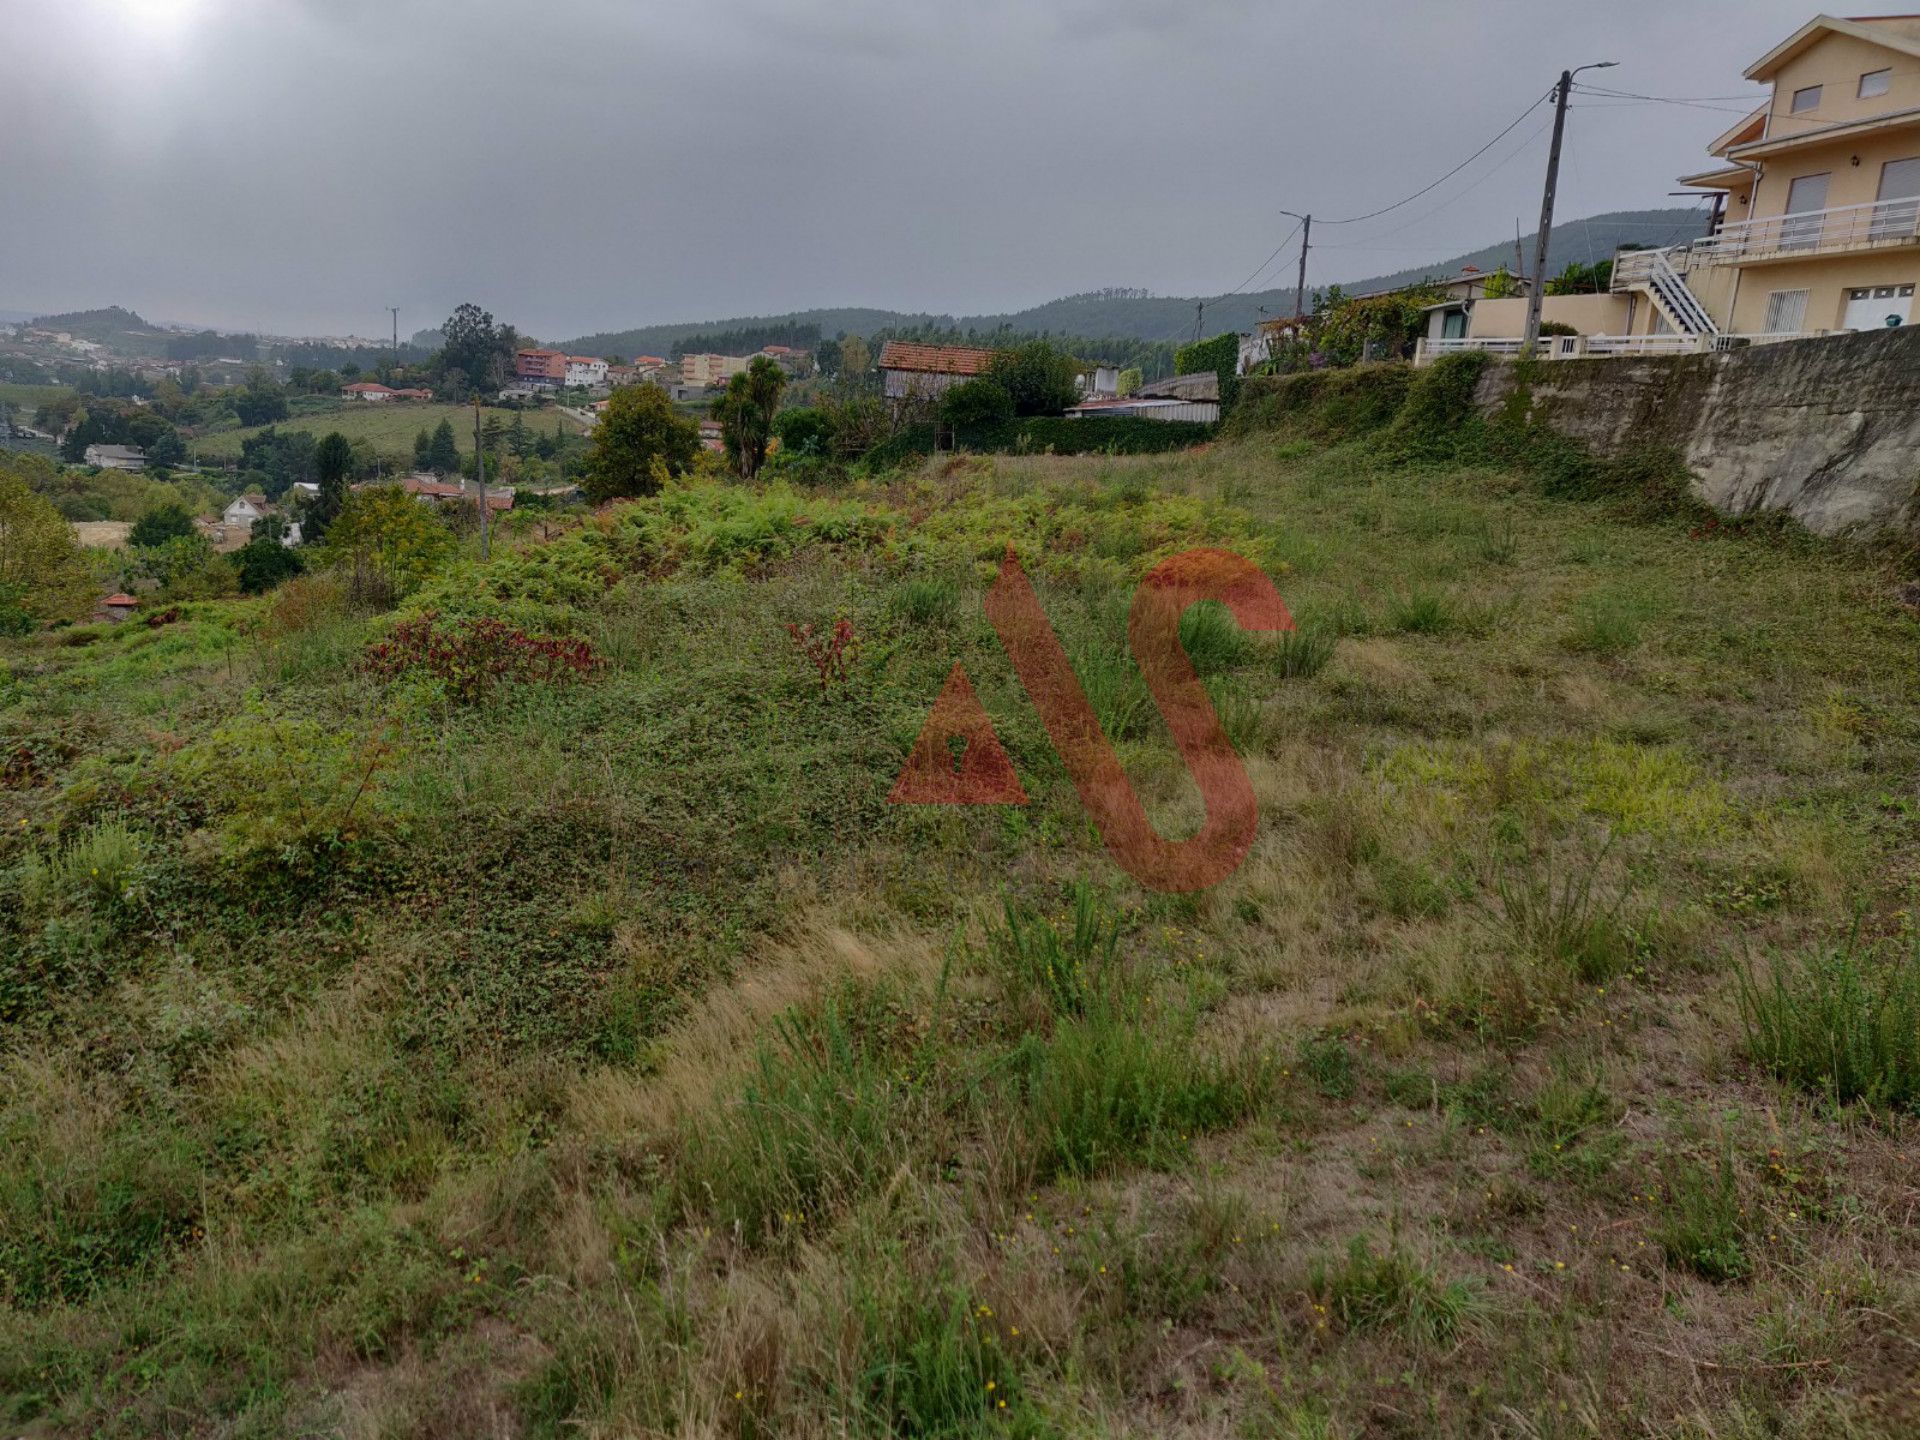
x=1652, y=271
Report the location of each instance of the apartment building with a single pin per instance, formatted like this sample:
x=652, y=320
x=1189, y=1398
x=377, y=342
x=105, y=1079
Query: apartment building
x=706, y=370
x=545, y=369
x=1819, y=193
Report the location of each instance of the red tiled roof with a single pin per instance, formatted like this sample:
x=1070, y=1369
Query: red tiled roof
x=648, y=360
x=365, y=387
x=438, y=489
x=534, y=350
x=934, y=359
x=119, y=600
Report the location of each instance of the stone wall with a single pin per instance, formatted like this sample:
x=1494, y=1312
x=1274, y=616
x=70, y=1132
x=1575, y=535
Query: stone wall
x=1827, y=430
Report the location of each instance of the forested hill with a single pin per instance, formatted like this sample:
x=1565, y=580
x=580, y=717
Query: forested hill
x=116, y=328
x=1135, y=314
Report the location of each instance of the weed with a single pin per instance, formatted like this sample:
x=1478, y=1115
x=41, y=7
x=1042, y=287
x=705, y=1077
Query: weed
x=1568, y=1114
x=1238, y=710
x=927, y=600
x=1328, y=1063
x=831, y=654
x=1842, y=1021
x=1605, y=624
x=813, y=1127
x=472, y=656
x=1703, y=1226
x=1496, y=542
x=1114, y=688
x=1420, y=612
x=1064, y=973
x=1210, y=637
x=930, y=1365
x=1300, y=653
x=1365, y=1291
x=1571, y=919
x=1118, y=1086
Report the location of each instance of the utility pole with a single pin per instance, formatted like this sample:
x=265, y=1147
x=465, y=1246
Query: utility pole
x=1519, y=255
x=1538, y=291
x=1199, y=317
x=1300, y=286
x=395, y=311
x=480, y=474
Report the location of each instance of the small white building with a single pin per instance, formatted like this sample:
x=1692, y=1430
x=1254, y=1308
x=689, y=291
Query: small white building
x=116, y=457
x=1102, y=382
x=586, y=371
x=243, y=510
x=367, y=390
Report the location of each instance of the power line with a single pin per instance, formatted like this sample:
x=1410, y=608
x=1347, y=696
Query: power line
x=1429, y=189
x=1268, y=261
x=1463, y=191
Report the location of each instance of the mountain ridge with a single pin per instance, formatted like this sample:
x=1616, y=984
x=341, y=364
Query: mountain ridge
x=1136, y=315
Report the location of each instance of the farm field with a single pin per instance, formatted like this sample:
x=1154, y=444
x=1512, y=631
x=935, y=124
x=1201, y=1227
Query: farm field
x=390, y=428
x=601, y=1054
x=28, y=398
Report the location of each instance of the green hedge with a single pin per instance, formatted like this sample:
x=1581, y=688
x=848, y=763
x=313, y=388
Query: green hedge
x=1118, y=435
x=1221, y=355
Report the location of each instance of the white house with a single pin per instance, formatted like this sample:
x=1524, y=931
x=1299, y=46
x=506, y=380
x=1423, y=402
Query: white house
x=116, y=457
x=243, y=510
x=1102, y=382
x=586, y=370
x=367, y=390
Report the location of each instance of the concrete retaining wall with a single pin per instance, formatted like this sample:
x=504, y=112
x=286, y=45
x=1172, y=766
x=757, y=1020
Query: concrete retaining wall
x=1827, y=430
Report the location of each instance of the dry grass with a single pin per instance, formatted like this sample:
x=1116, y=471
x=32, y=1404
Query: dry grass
x=1435, y=1118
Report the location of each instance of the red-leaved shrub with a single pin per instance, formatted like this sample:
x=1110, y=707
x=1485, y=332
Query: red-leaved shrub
x=472, y=656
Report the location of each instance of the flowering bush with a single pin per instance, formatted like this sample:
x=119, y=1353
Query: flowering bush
x=475, y=655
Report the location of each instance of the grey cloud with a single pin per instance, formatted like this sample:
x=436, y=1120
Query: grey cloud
x=585, y=164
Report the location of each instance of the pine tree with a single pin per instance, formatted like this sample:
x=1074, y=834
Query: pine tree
x=443, y=452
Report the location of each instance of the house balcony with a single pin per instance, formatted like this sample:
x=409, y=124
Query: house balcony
x=1809, y=234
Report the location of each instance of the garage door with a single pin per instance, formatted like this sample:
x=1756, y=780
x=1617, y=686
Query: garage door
x=1878, y=307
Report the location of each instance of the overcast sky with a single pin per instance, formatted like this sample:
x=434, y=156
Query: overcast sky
x=577, y=165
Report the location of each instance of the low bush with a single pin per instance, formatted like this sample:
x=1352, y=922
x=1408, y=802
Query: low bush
x=1327, y=405
x=473, y=656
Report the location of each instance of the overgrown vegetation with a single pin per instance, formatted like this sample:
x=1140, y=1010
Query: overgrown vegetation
x=446, y=996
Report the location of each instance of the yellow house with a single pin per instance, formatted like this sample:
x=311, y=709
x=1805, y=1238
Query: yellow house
x=1821, y=186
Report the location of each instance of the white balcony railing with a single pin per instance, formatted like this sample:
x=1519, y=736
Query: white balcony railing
x=1811, y=232
x=1600, y=347
x=1633, y=269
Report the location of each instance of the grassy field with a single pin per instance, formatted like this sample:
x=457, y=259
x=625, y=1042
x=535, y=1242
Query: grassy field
x=603, y=1055
x=27, y=398
x=390, y=428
